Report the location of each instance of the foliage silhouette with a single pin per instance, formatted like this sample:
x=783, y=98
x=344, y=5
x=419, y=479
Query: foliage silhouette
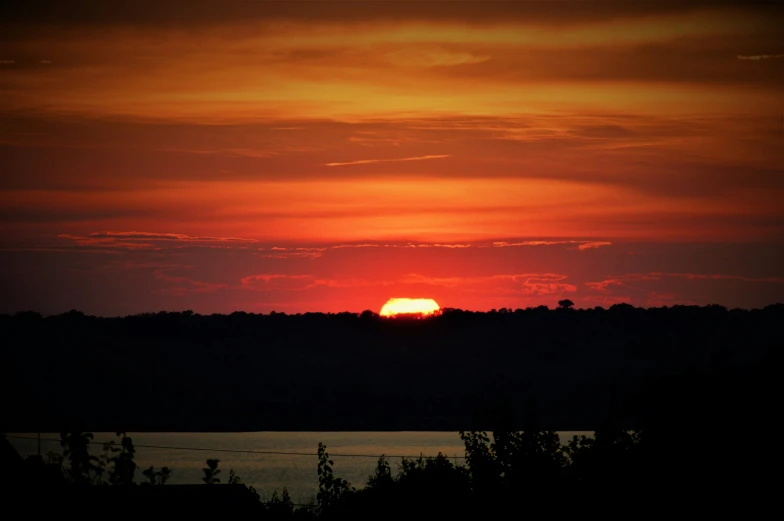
x=157, y=477
x=84, y=468
x=211, y=472
x=152, y=362
x=281, y=507
x=613, y=470
x=382, y=475
x=234, y=479
x=332, y=490
x=565, y=304
x=123, y=466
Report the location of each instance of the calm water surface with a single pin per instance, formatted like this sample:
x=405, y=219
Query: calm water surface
x=271, y=472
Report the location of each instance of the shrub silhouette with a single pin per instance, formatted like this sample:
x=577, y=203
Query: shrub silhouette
x=211, y=472
x=122, y=466
x=158, y=477
x=506, y=471
x=281, y=507
x=332, y=491
x=83, y=467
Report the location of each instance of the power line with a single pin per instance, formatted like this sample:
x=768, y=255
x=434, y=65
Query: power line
x=241, y=451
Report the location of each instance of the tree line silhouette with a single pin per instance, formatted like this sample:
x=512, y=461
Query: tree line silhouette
x=573, y=368
x=682, y=402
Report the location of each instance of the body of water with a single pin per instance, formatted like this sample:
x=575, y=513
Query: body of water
x=354, y=453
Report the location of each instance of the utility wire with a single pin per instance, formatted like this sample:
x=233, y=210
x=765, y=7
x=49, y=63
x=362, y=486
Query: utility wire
x=240, y=451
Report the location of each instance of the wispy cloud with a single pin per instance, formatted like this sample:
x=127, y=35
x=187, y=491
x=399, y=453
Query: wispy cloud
x=593, y=244
x=623, y=281
x=433, y=57
x=699, y=276
x=408, y=245
x=130, y=243
x=141, y=265
x=368, y=161
x=760, y=56
x=605, y=285
x=184, y=285
x=128, y=240
x=297, y=282
x=525, y=283
x=450, y=246
x=278, y=252
x=238, y=152
x=581, y=245
x=339, y=246
x=147, y=236
x=269, y=277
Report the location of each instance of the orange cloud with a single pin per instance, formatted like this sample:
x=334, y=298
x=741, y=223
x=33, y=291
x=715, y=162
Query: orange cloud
x=432, y=57
x=592, y=244
x=185, y=285
x=760, y=57
x=581, y=245
x=531, y=283
x=112, y=237
x=604, y=285
x=368, y=161
x=700, y=276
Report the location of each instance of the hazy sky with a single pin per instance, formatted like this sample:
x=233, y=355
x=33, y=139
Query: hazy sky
x=325, y=156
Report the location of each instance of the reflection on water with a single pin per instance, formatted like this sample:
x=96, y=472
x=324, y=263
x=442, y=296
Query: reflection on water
x=270, y=472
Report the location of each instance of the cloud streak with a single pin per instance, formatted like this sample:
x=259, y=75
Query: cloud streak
x=130, y=238
x=757, y=57
x=433, y=57
x=163, y=236
x=368, y=161
x=581, y=245
x=185, y=285
x=526, y=283
x=158, y=241
x=623, y=281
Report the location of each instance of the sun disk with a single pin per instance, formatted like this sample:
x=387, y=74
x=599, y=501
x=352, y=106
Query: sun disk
x=410, y=307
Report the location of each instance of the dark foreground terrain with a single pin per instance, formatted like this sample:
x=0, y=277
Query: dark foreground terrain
x=659, y=472
x=563, y=369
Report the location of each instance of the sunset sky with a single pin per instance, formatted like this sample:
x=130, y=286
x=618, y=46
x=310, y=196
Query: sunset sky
x=326, y=156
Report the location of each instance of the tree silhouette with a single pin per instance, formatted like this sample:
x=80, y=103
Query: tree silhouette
x=157, y=477
x=281, y=507
x=123, y=466
x=84, y=468
x=382, y=476
x=234, y=479
x=332, y=490
x=211, y=472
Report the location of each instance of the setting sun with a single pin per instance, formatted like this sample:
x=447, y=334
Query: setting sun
x=421, y=307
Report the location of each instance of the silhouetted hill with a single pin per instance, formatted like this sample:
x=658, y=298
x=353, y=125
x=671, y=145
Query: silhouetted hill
x=564, y=369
